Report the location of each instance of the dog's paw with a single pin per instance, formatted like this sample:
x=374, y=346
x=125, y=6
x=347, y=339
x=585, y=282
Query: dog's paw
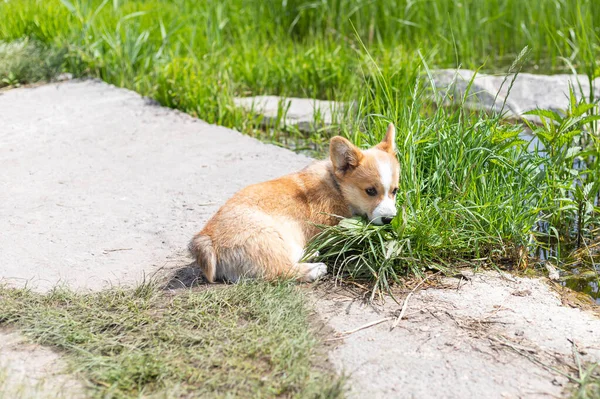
x=317, y=270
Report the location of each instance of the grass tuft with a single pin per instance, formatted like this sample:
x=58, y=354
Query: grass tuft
x=25, y=61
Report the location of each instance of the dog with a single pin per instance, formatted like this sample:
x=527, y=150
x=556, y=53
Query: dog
x=262, y=231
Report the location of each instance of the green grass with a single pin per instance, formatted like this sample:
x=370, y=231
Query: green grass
x=195, y=56
x=249, y=340
x=470, y=190
x=588, y=383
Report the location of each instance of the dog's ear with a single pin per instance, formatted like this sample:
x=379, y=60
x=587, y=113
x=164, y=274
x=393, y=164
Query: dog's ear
x=344, y=155
x=388, y=143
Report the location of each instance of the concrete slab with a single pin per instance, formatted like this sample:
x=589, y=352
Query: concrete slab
x=99, y=186
x=486, y=337
x=486, y=93
x=306, y=114
x=528, y=92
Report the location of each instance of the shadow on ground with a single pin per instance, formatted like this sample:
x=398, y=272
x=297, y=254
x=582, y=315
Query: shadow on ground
x=186, y=276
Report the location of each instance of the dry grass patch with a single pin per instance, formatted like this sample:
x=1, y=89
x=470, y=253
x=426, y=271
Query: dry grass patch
x=248, y=340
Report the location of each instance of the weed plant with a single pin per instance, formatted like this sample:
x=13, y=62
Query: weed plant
x=23, y=61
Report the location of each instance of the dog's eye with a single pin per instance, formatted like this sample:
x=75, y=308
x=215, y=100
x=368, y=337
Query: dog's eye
x=394, y=191
x=371, y=191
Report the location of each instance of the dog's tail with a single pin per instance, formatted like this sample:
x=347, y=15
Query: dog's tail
x=202, y=249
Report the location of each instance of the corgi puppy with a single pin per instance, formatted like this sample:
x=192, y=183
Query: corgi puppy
x=263, y=229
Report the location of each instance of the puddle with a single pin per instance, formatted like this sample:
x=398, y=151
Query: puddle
x=582, y=273
x=584, y=282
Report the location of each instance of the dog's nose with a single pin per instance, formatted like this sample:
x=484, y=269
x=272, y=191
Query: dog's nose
x=386, y=220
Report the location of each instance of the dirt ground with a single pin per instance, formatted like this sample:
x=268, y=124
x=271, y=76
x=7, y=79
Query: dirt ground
x=99, y=186
x=491, y=336
x=31, y=371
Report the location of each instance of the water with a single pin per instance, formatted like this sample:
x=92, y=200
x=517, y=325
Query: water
x=583, y=277
x=579, y=272
x=586, y=284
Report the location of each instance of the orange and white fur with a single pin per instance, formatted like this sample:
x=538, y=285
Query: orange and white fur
x=263, y=229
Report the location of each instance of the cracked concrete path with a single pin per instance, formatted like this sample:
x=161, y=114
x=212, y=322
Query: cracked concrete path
x=98, y=186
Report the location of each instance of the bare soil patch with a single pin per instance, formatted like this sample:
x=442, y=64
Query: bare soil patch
x=28, y=370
